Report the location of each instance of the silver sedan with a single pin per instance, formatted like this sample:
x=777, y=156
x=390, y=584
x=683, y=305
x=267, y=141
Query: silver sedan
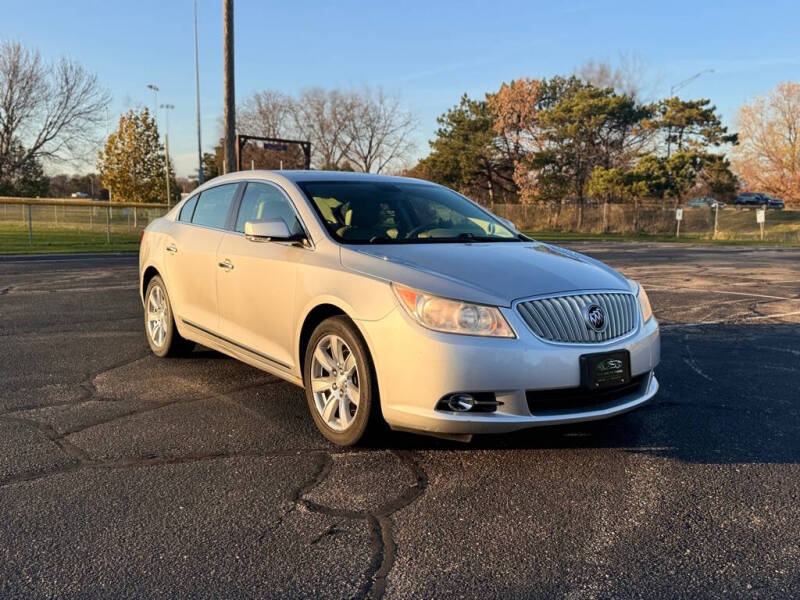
x=397, y=301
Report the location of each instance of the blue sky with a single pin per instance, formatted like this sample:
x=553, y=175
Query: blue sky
x=428, y=52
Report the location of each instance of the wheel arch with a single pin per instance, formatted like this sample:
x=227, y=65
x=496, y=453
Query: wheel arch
x=313, y=318
x=147, y=277
x=316, y=315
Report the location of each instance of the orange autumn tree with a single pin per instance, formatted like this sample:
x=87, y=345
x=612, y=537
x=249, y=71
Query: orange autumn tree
x=767, y=158
x=516, y=108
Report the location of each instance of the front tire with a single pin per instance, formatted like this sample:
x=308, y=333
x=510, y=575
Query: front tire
x=340, y=383
x=159, y=322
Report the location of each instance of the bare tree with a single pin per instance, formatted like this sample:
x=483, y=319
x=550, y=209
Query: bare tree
x=268, y=113
x=378, y=131
x=627, y=77
x=322, y=117
x=52, y=111
x=348, y=130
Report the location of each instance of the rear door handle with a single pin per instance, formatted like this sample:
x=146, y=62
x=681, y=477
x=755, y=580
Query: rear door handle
x=226, y=264
x=172, y=248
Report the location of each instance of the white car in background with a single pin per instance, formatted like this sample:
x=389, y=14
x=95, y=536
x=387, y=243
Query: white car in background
x=397, y=300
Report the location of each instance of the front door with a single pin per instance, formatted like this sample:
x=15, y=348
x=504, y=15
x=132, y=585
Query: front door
x=256, y=280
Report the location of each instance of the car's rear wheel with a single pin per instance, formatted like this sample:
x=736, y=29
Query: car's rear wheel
x=341, y=388
x=159, y=322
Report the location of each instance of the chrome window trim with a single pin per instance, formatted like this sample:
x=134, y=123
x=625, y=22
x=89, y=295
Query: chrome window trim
x=636, y=327
x=311, y=245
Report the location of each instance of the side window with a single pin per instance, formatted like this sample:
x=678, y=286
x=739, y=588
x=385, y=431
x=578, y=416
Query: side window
x=262, y=202
x=187, y=210
x=213, y=205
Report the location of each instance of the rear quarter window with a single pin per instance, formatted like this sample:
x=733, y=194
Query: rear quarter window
x=187, y=210
x=213, y=206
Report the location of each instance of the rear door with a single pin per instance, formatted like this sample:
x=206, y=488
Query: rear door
x=191, y=256
x=256, y=287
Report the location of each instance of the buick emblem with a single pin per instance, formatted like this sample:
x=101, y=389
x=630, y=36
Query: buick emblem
x=595, y=317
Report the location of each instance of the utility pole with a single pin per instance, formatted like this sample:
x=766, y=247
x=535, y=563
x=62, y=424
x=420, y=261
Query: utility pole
x=197, y=101
x=167, y=108
x=228, y=79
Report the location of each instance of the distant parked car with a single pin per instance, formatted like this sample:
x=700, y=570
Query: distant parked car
x=79, y=195
x=758, y=199
x=702, y=201
x=749, y=199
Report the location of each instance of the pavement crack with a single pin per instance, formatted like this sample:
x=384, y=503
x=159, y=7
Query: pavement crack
x=71, y=450
x=383, y=547
x=147, y=461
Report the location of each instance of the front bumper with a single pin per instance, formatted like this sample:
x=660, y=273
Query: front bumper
x=416, y=367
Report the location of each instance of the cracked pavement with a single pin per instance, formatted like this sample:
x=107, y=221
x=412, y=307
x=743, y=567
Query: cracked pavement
x=126, y=476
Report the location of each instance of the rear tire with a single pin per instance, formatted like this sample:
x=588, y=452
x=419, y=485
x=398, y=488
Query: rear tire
x=340, y=383
x=159, y=322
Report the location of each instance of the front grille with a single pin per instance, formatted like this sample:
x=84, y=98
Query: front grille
x=562, y=319
x=543, y=402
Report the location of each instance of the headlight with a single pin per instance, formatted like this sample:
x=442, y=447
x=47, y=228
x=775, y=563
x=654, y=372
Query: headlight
x=452, y=316
x=644, y=304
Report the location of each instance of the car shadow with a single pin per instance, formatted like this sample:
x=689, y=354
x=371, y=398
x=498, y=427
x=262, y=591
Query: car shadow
x=729, y=394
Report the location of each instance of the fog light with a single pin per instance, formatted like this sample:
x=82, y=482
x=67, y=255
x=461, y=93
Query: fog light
x=461, y=402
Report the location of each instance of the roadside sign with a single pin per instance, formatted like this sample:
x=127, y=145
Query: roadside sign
x=761, y=215
x=679, y=214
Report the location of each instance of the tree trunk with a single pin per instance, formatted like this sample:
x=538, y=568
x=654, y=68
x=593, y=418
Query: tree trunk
x=636, y=214
x=580, y=214
x=555, y=216
x=605, y=216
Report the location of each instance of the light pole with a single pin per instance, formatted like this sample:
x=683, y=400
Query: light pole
x=167, y=108
x=154, y=89
x=197, y=101
x=682, y=84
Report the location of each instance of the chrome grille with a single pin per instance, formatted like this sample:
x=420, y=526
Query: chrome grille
x=561, y=318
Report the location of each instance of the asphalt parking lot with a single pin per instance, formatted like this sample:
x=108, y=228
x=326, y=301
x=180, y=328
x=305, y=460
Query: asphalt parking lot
x=122, y=475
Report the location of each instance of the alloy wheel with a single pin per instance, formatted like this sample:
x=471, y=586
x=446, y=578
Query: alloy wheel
x=334, y=382
x=157, y=316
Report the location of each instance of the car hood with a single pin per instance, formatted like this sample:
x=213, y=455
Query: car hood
x=487, y=273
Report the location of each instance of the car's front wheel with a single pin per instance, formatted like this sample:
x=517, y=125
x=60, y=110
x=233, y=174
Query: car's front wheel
x=341, y=388
x=159, y=322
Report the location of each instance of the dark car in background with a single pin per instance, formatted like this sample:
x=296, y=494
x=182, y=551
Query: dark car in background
x=749, y=199
x=758, y=199
x=775, y=203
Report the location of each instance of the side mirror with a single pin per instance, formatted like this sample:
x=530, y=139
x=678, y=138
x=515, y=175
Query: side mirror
x=269, y=230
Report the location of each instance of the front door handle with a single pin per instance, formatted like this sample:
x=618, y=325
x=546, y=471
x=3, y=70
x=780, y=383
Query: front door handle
x=226, y=264
x=172, y=248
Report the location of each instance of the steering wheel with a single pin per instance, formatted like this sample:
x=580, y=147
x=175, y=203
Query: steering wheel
x=420, y=229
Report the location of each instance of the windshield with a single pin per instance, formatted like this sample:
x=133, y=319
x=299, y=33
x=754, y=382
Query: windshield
x=375, y=212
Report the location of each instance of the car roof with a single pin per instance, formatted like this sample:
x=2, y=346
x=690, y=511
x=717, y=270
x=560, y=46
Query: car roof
x=301, y=176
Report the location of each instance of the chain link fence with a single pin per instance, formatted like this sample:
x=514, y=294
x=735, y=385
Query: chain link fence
x=654, y=219
x=51, y=223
